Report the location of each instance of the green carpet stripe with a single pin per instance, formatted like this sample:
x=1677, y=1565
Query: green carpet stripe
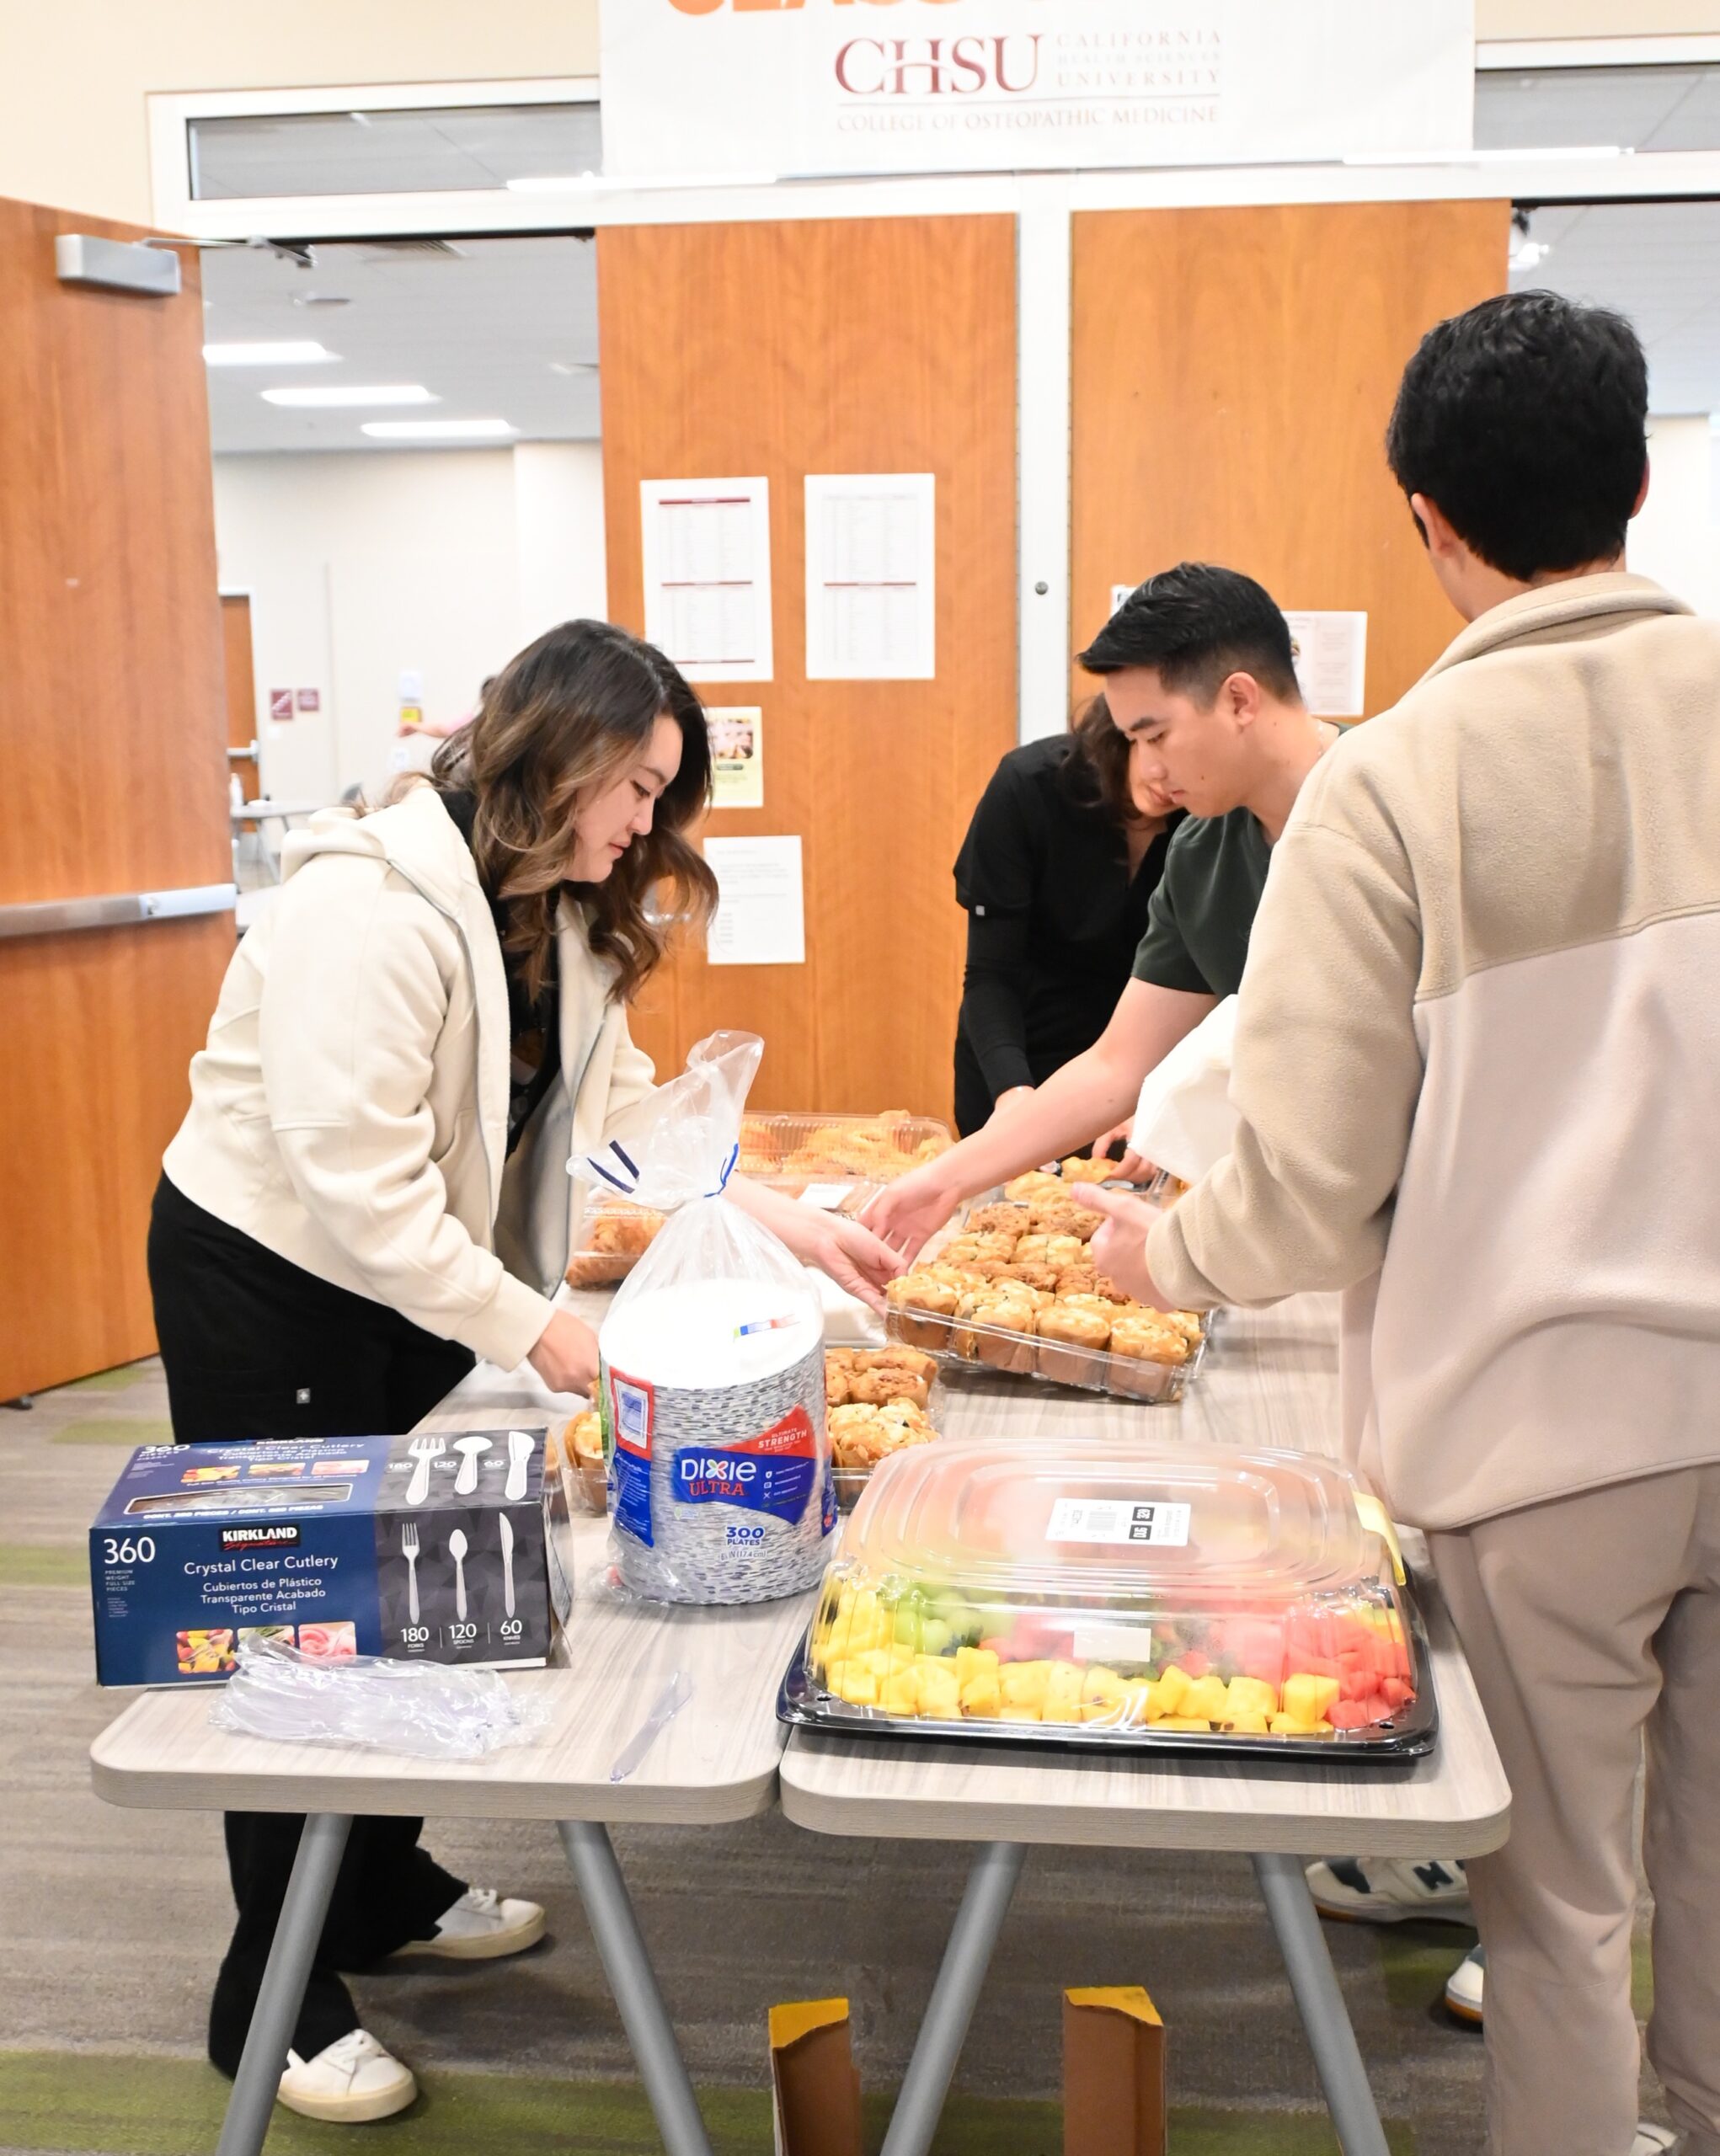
x=1416, y=1960
x=117, y=1430
x=116, y=1381
x=43, y=1564
x=117, y=2106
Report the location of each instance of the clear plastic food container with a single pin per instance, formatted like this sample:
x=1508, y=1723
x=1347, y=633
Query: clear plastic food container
x=1082, y=1594
x=823, y=1152
x=614, y=1235
x=878, y=1402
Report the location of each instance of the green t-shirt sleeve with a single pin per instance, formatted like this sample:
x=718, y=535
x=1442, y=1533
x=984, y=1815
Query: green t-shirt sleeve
x=1161, y=957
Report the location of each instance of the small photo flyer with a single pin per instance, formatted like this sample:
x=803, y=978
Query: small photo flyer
x=737, y=755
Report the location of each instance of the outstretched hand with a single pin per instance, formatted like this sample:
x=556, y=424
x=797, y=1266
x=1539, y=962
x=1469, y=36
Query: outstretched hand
x=1119, y=1247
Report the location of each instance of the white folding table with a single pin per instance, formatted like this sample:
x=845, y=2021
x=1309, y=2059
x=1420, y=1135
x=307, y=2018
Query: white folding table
x=1272, y=1379
x=715, y=1762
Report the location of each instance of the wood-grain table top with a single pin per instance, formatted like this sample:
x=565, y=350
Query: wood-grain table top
x=1270, y=1380
x=715, y=1762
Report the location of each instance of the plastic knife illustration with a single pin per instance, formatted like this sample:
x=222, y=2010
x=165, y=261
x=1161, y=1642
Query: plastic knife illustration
x=507, y=1564
x=520, y=1444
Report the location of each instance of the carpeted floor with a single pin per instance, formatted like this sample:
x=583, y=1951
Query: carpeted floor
x=114, y=1921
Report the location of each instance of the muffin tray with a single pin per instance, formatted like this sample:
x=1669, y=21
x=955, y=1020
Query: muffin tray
x=969, y=1344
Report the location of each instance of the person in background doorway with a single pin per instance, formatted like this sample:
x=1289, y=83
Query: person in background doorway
x=1201, y=684
x=416, y=747
x=370, y=1189
x=1058, y=866
x=1475, y=1076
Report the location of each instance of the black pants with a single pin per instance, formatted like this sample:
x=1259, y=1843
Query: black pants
x=255, y=1347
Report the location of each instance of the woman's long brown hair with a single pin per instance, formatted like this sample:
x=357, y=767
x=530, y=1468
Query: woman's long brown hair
x=560, y=723
x=1103, y=766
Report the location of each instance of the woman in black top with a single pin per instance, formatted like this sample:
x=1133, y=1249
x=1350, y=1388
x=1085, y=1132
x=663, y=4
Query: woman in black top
x=1060, y=860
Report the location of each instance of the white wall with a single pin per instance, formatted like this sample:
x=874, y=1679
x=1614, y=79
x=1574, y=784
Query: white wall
x=362, y=567
x=1676, y=539
x=73, y=130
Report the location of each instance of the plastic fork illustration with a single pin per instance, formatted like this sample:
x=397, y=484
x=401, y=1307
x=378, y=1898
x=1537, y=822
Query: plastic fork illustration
x=409, y=1551
x=424, y=1450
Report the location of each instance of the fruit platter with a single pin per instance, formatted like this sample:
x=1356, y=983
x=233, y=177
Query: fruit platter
x=1084, y=1595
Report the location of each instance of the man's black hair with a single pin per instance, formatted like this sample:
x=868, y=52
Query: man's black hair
x=1195, y=625
x=1524, y=419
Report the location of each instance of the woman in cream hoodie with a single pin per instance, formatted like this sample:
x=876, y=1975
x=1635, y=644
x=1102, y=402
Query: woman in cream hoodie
x=369, y=1188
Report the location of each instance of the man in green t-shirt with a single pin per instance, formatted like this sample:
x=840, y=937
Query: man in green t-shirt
x=1199, y=674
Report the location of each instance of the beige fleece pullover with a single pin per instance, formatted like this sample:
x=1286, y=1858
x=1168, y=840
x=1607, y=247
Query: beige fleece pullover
x=349, y=1112
x=1477, y=1063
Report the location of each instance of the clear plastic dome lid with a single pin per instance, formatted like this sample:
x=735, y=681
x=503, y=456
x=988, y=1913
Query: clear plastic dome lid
x=1099, y=1522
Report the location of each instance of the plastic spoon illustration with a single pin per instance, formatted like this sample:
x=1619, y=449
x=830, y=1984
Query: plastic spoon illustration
x=409, y=1551
x=507, y=1565
x=471, y=1451
x=520, y=1444
x=456, y=1550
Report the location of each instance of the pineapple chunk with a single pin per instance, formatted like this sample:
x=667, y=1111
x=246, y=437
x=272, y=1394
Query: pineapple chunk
x=1307, y=1697
x=1063, y=1692
x=1019, y=1714
x=1023, y=1684
x=940, y=1696
x=901, y=1693
x=1204, y=1700
x=1288, y=1724
x=861, y=1688
x=1137, y=1703
x=1250, y=1696
x=1247, y=1726
x=1184, y=1722
x=982, y=1699
x=975, y=1662
x=1171, y=1689
x=1102, y=1696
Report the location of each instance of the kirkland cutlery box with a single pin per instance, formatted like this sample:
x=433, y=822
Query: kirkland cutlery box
x=453, y=1548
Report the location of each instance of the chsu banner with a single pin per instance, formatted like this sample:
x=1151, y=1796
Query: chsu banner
x=793, y=87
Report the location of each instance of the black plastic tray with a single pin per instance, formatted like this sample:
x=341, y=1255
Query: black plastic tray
x=802, y=1705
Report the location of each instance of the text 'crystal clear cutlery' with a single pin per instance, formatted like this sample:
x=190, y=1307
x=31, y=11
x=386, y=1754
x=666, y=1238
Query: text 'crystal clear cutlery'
x=456, y=1550
x=507, y=1565
x=409, y=1551
x=424, y=1450
x=520, y=1444
x=471, y=1451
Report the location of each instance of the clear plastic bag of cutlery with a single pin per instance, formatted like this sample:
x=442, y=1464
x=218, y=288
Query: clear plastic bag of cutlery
x=424, y=1709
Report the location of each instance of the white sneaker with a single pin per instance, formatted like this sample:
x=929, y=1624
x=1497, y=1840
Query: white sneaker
x=1389, y=1889
x=1464, y=1988
x=1655, y=2140
x=481, y=1927
x=352, y=2080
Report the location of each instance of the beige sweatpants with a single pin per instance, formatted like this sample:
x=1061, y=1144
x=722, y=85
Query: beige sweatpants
x=1593, y=1623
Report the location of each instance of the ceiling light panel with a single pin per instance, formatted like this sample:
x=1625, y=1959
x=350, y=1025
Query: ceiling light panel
x=292, y=354
x=438, y=430
x=332, y=396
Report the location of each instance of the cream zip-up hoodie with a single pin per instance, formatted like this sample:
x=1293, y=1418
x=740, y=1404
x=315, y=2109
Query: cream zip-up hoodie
x=1477, y=1063
x=349, y=1112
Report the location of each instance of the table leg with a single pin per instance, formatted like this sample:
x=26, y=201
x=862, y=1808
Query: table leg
x=270, y=2036
x=592, y=1858
x=973, y=1937
x=1337, y=2058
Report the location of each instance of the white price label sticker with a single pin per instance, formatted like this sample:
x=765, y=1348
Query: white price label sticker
x=1163, y=1526
x=827, y=1197
x=1115, y=1644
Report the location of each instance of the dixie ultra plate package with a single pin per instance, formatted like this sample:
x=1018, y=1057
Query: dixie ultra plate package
x=443, y=1548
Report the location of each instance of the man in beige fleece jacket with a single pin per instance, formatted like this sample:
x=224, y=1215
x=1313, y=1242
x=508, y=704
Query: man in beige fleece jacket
x=1477, y=1072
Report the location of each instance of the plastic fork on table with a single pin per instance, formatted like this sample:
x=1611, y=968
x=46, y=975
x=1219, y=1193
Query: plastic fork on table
x=424, y=1450
x=409, y=1551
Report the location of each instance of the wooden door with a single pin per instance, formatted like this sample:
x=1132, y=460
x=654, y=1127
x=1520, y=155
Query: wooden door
x=113, y=776
x=1233, y=372
x=243, y=731
x=858, y=346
